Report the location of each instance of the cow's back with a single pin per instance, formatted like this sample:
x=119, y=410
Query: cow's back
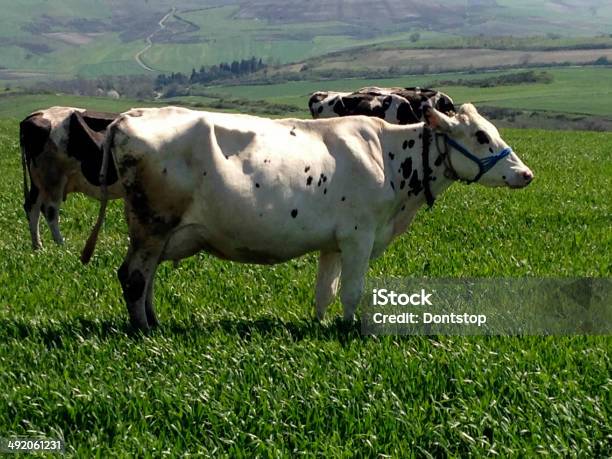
x=208, y=173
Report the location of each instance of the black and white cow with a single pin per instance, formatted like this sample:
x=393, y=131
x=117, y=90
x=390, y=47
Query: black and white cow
x=61, y=154
x=256, y=190
x=394, y=105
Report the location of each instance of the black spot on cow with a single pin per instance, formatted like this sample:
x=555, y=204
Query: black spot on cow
x=320, y=109
x=320, y=181
x=294, y=213
x=405, y=114
x=257, y=185
x=343, y=198
x=307, y=169
x=406, y=167
x=416, y=186
x=405, y=144
x=393, y=185
x=331, y=102
x=317, y=97
x=309, y=180
x=127, y=162
x=85, y=145
x=438, y=160
x=355, y=227
x=324, y=178
x=391, y=156
x=420, y=136
x=482, y=137
x=339, y=108
x=387, y=102
x=402, y=184
x=134, y=286
x=292, y=131
x=411, y=143
x=33, y=135
x=165, y=171
x=51, y=213
x=490, y=150
x=98, y=121
x=444, y=104
x=204, y=173
x=325, y=191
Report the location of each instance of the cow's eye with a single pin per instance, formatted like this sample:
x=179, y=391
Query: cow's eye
x=482, y=137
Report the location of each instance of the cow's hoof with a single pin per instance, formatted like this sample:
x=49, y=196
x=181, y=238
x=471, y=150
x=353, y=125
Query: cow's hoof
x=140, y=326
x=152, y=321
x=349, y=318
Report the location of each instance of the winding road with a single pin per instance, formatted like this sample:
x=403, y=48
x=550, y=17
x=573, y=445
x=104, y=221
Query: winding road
x=149, y=42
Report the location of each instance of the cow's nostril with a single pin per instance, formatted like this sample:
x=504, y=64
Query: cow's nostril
x=528, y=176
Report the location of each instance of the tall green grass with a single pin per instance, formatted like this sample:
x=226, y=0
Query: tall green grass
x=240, y=369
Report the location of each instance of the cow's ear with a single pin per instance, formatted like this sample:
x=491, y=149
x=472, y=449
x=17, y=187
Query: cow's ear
x=438, y=121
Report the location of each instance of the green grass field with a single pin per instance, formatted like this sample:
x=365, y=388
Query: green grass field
x=581, y=90
x=240, y=369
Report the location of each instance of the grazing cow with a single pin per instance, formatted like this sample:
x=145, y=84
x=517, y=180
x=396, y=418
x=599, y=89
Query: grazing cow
x=61, y=154
x=394, y=105
x=256, y=190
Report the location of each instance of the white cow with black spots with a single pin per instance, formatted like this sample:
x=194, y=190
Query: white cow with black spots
x=258, y=190
x=60, y=154
x=394, y=105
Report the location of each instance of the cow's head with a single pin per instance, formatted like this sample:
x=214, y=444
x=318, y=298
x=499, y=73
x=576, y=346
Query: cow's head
x=315, y=103
x=476, y=151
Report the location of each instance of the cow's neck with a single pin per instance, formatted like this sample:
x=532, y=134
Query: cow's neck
x=405, y=159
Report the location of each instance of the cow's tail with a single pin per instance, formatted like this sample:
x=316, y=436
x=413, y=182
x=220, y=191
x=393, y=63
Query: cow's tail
x=90, y=245
x=26, y=172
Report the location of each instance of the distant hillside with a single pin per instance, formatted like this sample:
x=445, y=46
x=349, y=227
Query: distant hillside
x=63, y=38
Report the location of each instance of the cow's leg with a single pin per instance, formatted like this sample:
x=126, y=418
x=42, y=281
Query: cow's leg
x=52, y=216
x=355, y=257
x=328, y=279
x=136, y=277
x=149, y=308
x=51, y=211
x=32, y=209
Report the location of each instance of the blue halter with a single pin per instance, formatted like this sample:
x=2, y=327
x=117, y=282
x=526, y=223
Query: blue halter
x=484, y=164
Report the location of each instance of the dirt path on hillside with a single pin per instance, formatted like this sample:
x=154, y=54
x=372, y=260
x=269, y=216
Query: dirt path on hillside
x=149, y=42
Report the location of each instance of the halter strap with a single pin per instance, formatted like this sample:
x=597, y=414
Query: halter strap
x=426, y=169
x=484, y=164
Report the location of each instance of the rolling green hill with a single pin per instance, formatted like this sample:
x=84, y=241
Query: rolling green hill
x=586, y=90
x=63, y=38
